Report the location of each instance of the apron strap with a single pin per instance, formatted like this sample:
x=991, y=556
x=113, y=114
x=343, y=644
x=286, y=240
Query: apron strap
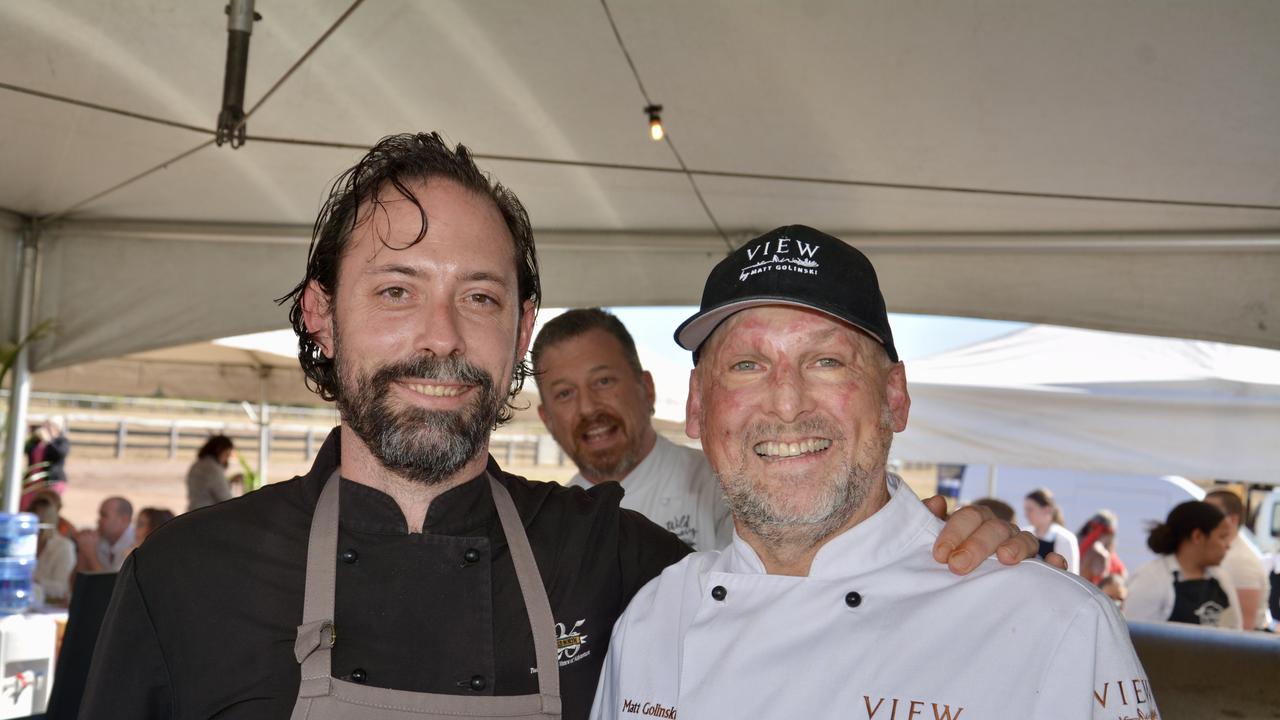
x=538, y=607
x=317, y=633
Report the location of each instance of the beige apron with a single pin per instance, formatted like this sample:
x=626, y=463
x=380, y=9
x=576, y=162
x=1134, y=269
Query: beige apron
x=323, y=697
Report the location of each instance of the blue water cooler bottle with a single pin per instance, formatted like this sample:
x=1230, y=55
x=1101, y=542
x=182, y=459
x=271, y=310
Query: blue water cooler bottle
x=18, y=537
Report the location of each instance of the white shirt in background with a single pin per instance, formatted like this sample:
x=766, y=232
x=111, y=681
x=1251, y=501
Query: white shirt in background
x=1065, y=544
x=1246, y=571
x=675, y=488
x=878, y=630
x=54, y=566
x=112, y=555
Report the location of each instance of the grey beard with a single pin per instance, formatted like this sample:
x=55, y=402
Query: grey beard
x=425, y=446
x=847, y=492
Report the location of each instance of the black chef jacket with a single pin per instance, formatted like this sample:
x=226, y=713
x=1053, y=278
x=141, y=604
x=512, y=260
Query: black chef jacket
x=204, y=616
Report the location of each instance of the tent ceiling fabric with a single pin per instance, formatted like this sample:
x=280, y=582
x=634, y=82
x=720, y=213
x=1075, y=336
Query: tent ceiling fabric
x=201, y=371
x=1169, y=102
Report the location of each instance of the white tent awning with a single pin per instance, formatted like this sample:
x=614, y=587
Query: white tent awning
x=1101, y=164
x=1064, y=398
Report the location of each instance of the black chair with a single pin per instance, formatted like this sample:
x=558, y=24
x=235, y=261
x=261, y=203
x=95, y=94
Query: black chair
x=89, y=602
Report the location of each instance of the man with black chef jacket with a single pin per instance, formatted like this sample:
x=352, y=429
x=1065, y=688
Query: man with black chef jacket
x=826, y=604
x=405, y=575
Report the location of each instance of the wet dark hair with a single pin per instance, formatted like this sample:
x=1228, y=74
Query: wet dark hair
x=1044, y=498
x=580, y=321
x=214, y=446
x=396, y=162
x=1183, y=520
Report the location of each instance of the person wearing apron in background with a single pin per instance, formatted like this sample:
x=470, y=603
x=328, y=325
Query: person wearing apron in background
x=1047, y=522
x=1184, y=584
x=405, y=575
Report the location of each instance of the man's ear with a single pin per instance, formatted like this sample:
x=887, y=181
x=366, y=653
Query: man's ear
x=650, y=394
x=317, y=315
x=528, y=314
x=897, y=396
x=693, y=407
x=542, y=413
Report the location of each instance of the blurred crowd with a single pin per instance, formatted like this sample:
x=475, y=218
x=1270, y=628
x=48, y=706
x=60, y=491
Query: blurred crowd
x=1205, y=572
x=63, y=551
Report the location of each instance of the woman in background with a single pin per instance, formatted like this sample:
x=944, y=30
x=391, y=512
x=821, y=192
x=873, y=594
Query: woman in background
x=47, y=453
x=1047, y=523
x=1098, y=557
x=1183, y=584
x=148, y=520
x=55, y=553
x=207, y=482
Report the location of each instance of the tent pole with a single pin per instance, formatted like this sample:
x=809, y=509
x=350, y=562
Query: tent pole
x=991, y=480
x=264, y=426
x=20, y=385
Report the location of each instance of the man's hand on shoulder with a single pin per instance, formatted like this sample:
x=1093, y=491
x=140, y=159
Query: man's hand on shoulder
x=973, y=532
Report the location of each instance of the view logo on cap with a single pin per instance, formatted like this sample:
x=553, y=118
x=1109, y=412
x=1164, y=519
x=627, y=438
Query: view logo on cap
x=781, y=258
x=793, y=265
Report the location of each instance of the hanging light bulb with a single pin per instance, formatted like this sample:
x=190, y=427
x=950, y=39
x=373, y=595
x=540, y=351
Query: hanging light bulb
x=655, y=122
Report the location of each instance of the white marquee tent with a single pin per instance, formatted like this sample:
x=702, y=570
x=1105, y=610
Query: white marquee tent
x=1056, y=397
x=1100, y=164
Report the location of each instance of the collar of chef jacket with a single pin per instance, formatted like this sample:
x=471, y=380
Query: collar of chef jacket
x=871, y=544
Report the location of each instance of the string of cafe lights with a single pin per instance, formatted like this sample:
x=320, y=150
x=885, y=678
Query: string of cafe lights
x=658, y=133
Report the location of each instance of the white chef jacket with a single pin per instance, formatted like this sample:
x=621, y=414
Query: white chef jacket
x=1151, y=595
x=878, y=630
x=675, y=487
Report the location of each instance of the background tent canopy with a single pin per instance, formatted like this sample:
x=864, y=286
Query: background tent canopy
x=1109, y=165
x=1065, y=398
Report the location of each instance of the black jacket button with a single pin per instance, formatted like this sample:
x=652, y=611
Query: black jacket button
x=359, y=675
x=471, y=555
x=349, y=556
x=853, y=599
x=477, y=683
x=719, y=593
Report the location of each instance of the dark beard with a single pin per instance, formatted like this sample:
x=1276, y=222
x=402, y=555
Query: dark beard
x=425, y=446
x=603, y=469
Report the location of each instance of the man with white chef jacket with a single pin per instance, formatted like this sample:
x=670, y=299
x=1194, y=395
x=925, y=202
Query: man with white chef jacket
x=597, y=402
x=821, y=605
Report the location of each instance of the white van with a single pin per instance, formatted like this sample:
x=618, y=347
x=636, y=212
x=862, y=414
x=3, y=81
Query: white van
x=1137, y=500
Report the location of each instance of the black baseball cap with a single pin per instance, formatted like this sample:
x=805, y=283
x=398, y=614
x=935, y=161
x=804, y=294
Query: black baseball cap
x=792, y=265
